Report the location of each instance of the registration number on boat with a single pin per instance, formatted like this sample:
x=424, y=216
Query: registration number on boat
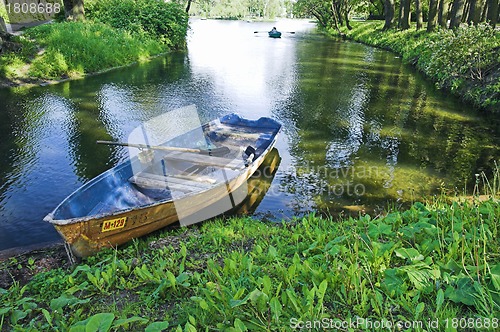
x=110, y=225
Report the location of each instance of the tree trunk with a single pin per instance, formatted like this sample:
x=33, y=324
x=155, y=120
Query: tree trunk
x=483, y=12
x=400, y=15
x=475, y=14
x=405, y=15
x=389, y=14
x=188, y=7
x=74, y=10
x=492, y=16
x=442, y=14
x=418, y=14
x=346, y=17
x=432, y=16
x=466, y=11
x=456, y=13
x=3, y=30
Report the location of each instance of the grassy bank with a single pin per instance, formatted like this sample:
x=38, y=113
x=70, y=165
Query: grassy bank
x=465, y=62
x=72, y=49
x=434, y=264
x=117, y=33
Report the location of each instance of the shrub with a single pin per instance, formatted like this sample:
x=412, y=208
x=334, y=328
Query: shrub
x=165, y=21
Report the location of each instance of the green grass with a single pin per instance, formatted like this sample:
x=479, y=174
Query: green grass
x=72, y=49
x=117, y=33
x=81, y=48
x=434, y=263
x=464, y=61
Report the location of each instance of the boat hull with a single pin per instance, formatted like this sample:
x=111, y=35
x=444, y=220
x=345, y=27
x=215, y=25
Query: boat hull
x=274, y=34
x=90, y=234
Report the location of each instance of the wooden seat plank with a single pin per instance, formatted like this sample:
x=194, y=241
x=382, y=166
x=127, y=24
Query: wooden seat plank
x=158, y=181
x=206, y=160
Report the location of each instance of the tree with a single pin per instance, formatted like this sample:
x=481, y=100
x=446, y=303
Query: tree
x=492, y=17
x=74, y=10
x=432, y=16
x=3, y=33
x=389, y=10
x=471, y=11
x=456, y=13
x=418, y=14
x=404, y=15
x=188, y=6
x=321, y=10
x=442, y=13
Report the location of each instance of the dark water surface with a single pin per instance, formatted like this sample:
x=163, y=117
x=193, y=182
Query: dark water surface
x=361, y=129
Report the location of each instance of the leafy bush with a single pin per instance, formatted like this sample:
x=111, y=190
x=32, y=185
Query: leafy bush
x=164, y=20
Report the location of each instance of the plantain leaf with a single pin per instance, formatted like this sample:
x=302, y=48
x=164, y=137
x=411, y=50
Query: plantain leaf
x=100, y=322
x=158, y=327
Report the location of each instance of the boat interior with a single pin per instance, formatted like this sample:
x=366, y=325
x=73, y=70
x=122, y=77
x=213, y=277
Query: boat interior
x=156, y=176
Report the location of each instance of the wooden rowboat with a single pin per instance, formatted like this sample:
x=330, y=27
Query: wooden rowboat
x=175, y=184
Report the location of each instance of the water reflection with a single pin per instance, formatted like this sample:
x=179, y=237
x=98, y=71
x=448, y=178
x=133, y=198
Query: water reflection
x=359, y=127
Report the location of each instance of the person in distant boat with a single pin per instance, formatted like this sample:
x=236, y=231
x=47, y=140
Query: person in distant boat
x=273, y=30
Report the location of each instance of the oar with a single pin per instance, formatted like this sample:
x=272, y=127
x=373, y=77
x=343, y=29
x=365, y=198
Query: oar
x=222, y=151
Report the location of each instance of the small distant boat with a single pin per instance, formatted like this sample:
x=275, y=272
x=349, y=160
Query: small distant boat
x=274, y=34
x=121, y=204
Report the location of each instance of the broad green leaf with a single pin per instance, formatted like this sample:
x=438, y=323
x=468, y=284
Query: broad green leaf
x=420, y=277
x=5, y=310
x=409, y=253
x=322, y=289
x=275, y=308
x=189, y=327
x=125, y=321
x=293, y=298
x=462, y=293
x=419, y=309
x=203, y=304
x=235, y=303
x=272, y=252
x=495, y=276
x=439, y=299
x=171, y=279
x=48, y=316
x=100, y=322
x=17, y=315
x=239, y=325
x=62, y=301
x=393, y=283
x=157, y=327
x=267, y=284
x=378, y=228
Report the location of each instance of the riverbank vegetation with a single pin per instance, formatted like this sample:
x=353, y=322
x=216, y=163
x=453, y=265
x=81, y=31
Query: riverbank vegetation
x=464, y=61
x=458, y=49
x=435, y=264
x=116, y=33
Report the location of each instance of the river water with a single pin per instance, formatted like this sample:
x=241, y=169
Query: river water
x=361, y=129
